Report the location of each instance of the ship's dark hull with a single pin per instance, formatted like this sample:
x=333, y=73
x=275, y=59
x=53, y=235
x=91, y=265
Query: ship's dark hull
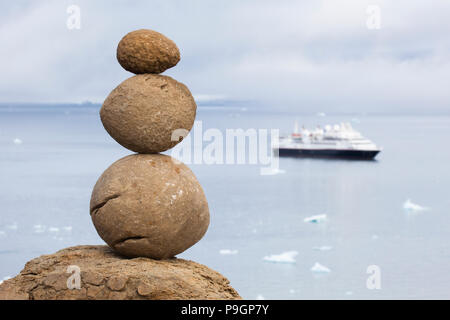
x=328, y=153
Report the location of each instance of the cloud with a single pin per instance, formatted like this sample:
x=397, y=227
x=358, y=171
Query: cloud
x=284, y=54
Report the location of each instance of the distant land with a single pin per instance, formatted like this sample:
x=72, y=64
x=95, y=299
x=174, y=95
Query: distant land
x=242, y=105
x=200, y=102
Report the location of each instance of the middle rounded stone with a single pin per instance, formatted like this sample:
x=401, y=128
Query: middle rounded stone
x=143, y=112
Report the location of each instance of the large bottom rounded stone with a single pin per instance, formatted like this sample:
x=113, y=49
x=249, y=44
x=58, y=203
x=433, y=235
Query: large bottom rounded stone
x=149, y=205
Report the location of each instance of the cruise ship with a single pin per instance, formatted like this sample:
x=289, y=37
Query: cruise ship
x=337, y=141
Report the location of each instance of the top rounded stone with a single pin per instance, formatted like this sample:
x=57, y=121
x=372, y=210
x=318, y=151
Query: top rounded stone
x=147, y=51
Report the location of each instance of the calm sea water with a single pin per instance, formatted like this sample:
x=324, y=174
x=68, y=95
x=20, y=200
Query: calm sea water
x=48, y=173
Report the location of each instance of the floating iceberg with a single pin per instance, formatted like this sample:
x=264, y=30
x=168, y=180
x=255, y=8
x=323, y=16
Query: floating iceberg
x=2, y=233
x=68, y=228
x=260, y=297
x=17, y=141
x=410, y=206
x=323, y=248
x=318, y=268
x=285, y=257
x=13, y=226
x=38, y=228
x=228, y=251
x=53, y=229
x=271, y=171
x=316, y=219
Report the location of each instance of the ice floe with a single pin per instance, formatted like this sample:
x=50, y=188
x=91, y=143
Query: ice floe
x=17, y=141
x=13, y=226
x=323, y=248
x=285, y=257
x=38, y=228
x=228, y=251
x=318, y=268
x=272, y=171
x=408, y=205
x=316, y=219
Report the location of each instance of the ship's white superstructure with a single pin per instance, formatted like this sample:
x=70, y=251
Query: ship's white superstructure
x=339, y=140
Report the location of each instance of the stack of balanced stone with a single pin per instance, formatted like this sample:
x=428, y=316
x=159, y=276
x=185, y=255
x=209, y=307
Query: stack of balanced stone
x=148, y=204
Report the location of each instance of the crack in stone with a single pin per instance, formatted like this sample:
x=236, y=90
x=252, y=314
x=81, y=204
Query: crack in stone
x=96, y=208
x=126, y=239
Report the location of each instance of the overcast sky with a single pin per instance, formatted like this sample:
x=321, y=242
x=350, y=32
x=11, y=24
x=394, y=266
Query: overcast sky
x=282, y=54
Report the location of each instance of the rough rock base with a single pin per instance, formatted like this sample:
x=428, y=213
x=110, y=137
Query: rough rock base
x=106, y=276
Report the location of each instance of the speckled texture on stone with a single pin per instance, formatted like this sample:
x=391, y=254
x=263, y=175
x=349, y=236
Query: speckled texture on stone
x=143, y=111
x=147, y=51
x=149, y=205
x=107, y=276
